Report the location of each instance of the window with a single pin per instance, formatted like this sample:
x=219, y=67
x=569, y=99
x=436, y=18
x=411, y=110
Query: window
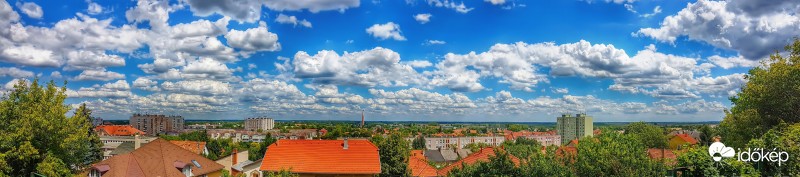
x=187, y=170
x=94, y=173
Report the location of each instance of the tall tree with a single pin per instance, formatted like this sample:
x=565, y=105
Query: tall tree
x=612, y=154
x=771, y=96
x=36, y=135
x=83, y=118
x=418, y=143
x=651, y=135
x=394, y=152
x=499, y=164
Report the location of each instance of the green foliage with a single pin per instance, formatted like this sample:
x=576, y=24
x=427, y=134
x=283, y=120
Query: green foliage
x=517, y=127
x=394, y=152
x=782, y=138
x=475, y=147
x=418, y=143
x=771, y=96
x=706, y=134
x=37, y=136
x=523, y=148
x=282, y=173
x=547, y=164
x=652, y=136
x=699, y=163
x=498, y=165
x=612, y=154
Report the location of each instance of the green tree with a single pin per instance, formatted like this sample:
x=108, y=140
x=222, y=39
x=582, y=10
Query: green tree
x=783, y=138
x=706, y=134
x=499, y=164
x=699, y=163
x=547, y=164
x=394, y=152
x=651, y=135
x=37, y=136
x=770, y=96
x=517, y=127
x=418, y=143
x=612, y=154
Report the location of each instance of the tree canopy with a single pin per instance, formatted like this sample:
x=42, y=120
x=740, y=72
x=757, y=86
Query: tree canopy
x=36, y=136
x=651, y=135
x=771, y=96
x=394, y=152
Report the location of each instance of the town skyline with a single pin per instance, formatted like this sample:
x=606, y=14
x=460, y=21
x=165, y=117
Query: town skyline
x=425, y=61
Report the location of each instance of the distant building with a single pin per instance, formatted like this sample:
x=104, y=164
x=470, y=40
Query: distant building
x=571, y=128
x=352, y=158
x=117, y=130
x=203, y=126
x=679, y=140
x=435, y=143
x=157, y=124
x=254, y=136
x=157, y=158
x=259, y=123
x=549, y=138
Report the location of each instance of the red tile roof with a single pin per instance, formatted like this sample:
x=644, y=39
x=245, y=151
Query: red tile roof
x=657, y=154
x=118, y=130
x=419, y=165
x=196, y=147
x=482, y=155
x=157, y=158
x=322, y=157
x=687, y=138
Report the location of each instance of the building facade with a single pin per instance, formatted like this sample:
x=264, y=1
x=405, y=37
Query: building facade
x=435, y=143
x=259, y=123
x=157, y=124
x=571, y=128
x=546, y=140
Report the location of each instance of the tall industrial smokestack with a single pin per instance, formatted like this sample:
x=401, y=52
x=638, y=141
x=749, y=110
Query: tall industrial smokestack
x=362, y=118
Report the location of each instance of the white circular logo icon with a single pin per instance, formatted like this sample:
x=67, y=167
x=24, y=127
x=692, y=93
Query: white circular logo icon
x=718, y=150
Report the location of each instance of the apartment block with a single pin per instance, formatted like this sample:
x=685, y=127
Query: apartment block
x=259, y=123
x=154, y=125
x=574, y=127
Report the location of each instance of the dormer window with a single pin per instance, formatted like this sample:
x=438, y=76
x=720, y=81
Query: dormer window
x=94, y=173
x=187, y=170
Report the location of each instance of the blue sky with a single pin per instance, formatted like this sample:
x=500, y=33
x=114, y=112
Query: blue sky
x=427, y=60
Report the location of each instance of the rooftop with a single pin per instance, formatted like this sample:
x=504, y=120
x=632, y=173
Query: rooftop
x=322, y=157
x=157, y=158
x=192, y=146
x=119, y=130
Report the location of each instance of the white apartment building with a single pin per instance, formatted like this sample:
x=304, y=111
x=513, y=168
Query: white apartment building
x=434, y=143
x=259, y=123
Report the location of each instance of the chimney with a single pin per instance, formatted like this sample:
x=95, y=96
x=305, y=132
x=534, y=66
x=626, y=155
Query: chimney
x=136, y=142
x=235, y=157
x=345, y=145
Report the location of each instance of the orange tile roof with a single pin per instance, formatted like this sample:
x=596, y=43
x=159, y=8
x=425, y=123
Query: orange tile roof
x=419, y=165
x=118, y=130
x=482, y=155
x=157, y=158
x=687, y=138
x=196, y=147
x=668, y=154
x=322, y=157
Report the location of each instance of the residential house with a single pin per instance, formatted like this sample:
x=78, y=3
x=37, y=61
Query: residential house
x=419, y=166
x=197, y=147
x=680, y=140
x=158, y=158
x=247, y=168
x=115, y=145
x=117, y=130
x=480, y=156
x=311, y=158
x=231, y=160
